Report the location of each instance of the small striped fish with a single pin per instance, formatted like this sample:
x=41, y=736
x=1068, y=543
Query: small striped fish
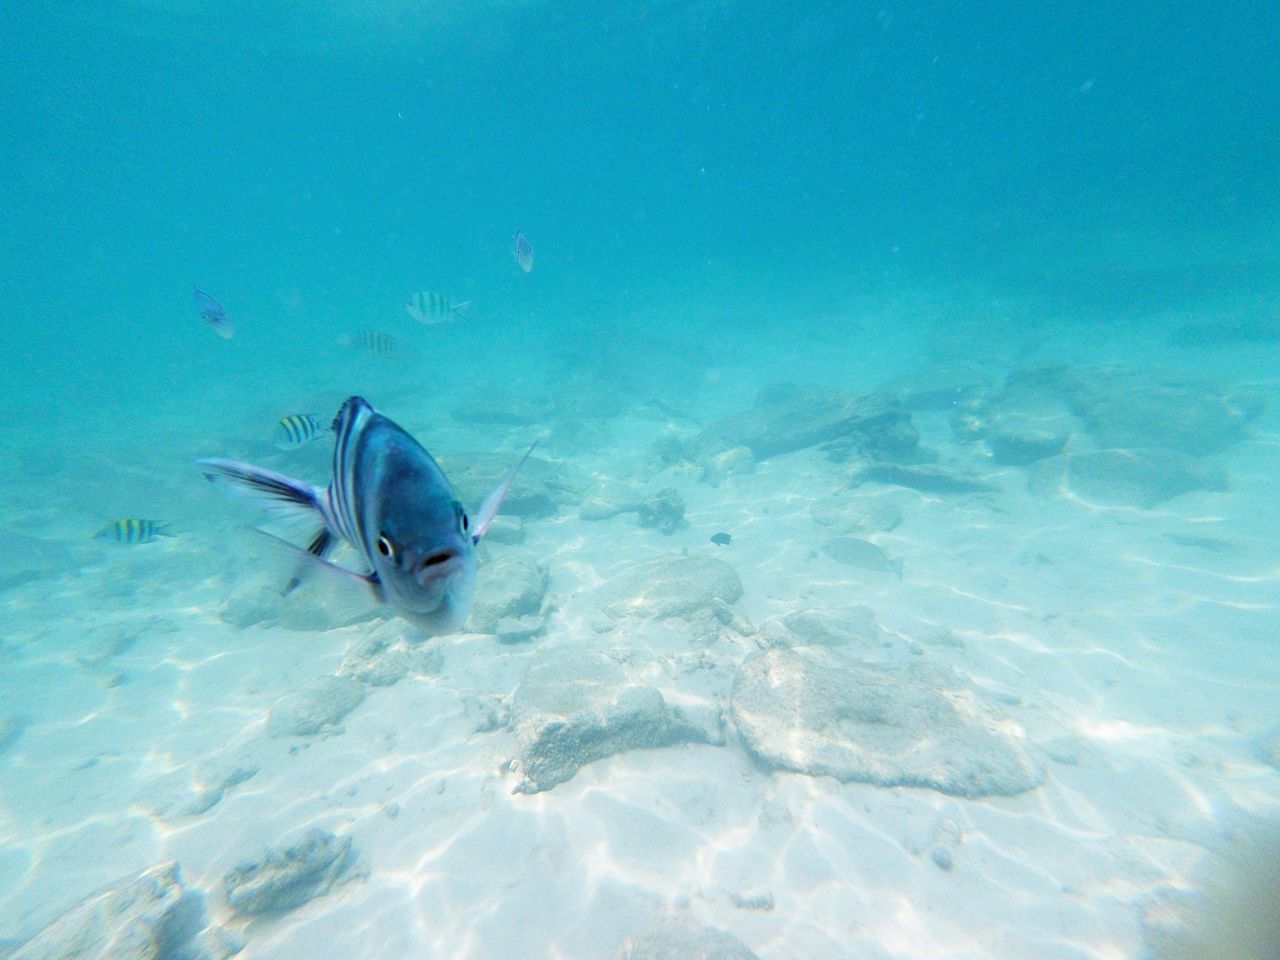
x=211, y=312
x=133, y=530
x=432, y=308
x=373, y=342
x=297, y=429
x=522, y=250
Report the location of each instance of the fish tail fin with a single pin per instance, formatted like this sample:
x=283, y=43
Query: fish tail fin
x=489, y=508
x=286, y=497
x=162, y=529
x=459, y=310
x=351, y=594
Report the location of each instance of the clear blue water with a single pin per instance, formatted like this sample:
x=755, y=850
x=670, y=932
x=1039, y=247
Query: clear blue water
x=720, y=196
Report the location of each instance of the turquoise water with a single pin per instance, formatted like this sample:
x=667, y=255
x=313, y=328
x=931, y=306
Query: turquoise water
x=961, y=324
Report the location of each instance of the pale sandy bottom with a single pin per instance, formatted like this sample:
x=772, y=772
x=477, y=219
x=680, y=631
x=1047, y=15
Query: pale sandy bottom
x=1154, y=660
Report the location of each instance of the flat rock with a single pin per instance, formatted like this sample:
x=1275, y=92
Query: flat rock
x=852, y=514
x=1131, y=478
x=1123, y=408
x=507, y=588
x=151, y=916
x=384, y=656
x=575, y=706
x=682, y=938
x=828, y=629
x=315, y=708
x=717, y=467
x=287, y=877
x=787, y=417
x=888, y=724
x=670, y=586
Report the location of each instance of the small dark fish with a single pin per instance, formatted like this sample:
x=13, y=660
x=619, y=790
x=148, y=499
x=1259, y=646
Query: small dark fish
x=523, y=251
x=297, y=429
x=132, y=530
x=373, y=342
x=721, y=539
x=211, y=312
x=390, y=502
x=432, y=308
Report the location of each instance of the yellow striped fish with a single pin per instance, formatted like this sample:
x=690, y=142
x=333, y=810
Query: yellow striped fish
x=133, y=530
x=432, y=308
x=297, y=429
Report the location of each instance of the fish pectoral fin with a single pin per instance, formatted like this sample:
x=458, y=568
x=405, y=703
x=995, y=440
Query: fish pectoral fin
x=493, y=502
x=352, y=593
x=319, y=546
x=284, y=496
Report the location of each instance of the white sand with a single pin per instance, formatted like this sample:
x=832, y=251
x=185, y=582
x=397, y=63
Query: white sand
x=1154, y=662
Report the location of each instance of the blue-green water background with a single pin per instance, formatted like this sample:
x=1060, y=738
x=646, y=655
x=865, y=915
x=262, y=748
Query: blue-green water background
x=1099, y=161
x=720, y=196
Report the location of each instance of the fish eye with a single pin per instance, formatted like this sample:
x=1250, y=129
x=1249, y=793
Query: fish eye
x=466, y=524
x=385, y=546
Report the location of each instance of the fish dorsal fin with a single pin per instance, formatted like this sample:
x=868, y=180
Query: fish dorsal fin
x=493, y=502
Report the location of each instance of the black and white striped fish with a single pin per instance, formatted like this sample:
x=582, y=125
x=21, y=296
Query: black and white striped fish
x=432, y=308
x=133, y=530
x=298, y=429
x=390, y=501
x=373, y=342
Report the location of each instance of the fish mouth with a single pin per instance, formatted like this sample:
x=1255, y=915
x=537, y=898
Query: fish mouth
x=436, y=566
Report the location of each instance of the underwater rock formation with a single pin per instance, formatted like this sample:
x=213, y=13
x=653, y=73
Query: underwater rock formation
x=855, y=514
x=855, y=626
x=682, y=938
x=509, y=599
x=670, y=586
x=288, y=877
x=315, y=708
x=152, y=916
x=663, y=510
x=788, y=417
x=574, y=706
x=886, y=724
x=1129, y=478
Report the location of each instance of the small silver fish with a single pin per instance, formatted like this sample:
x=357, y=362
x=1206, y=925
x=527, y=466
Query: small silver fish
x=432, y=308
x=373, y=342
x=390, y=501
x=523, y=251
x=853, y=552
x=298, y=429
x=211, y=312
x=132, y=530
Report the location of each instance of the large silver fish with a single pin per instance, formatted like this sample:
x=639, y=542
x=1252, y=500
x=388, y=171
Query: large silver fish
x=390, y=501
